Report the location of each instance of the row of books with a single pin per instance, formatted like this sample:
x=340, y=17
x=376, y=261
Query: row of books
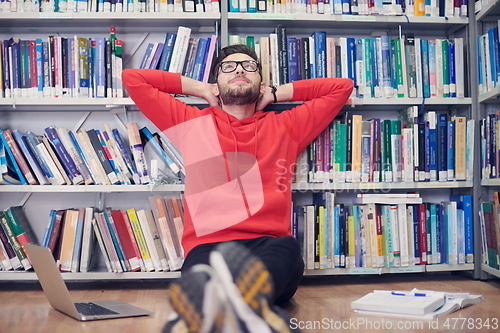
x=431, y=147
x=490, y=231
x=384, y=230
x=15, y=231
x=110, y=6
x=131, y=240
x=379, y=66
x=488, y=60
x=180, y=53
x=353, y=7
x=490, y=146
x=62, y=157
x=62, y=67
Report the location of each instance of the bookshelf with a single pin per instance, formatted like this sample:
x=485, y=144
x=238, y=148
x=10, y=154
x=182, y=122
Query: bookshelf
x=487, y=18
x=136, y=29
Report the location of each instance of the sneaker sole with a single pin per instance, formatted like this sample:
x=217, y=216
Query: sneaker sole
x=253, y=282
x=186, y=297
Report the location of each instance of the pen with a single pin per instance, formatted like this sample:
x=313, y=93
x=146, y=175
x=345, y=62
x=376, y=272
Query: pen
x=408, y=294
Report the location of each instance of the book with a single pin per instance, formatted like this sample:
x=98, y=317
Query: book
x=400, y=302
x=452, y=303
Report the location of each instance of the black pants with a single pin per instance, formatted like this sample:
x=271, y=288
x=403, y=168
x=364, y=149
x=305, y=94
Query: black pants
x=281, y=256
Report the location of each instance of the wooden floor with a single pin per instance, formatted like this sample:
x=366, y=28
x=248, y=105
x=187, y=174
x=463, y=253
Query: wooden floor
x=320, y=305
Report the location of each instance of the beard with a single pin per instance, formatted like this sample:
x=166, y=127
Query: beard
x=239, y=95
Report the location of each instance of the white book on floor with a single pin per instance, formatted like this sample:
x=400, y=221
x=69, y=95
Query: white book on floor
x=401, y=302
x=452, y=302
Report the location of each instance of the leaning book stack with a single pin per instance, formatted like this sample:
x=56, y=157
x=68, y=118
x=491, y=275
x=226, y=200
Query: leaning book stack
x=85, y=157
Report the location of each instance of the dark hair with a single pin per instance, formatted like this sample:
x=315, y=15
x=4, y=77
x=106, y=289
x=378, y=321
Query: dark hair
x=231, y=49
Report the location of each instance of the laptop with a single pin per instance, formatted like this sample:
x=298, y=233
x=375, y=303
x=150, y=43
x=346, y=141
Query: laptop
x=58, y=295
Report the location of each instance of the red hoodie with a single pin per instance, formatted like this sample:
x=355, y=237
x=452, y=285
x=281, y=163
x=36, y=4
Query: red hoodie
x=220, y=206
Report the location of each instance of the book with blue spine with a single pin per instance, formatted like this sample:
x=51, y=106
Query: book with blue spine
x=441, y=138
x=65, y=158
x=47, y=74
x=393, y=67
x=433, y=145
x=445, y=67
x=492, y=64
x=71, y=66
x=234, y=6
x=496, y=53
x=387, y=91
x=126, y=155
x=50, y=226
x=377, y=67
x=433, y=255
x=416, y=234
x=197, y=72
x=207, y=63
x=15, y=63
x=351, y=60
x=100, y=68
x=451, y=150
x=336, y=236
x=460, y=237
x=116, y=240
x=368, y=60
x=480, y=59
x=464, y=202
x=157, y=55
x=109, y=156
x=79, y=149
x=427, y=154
x=166, y=55
x=107, y=135
x=360, y=68
x=149, y=136
x=102, y=156
x=32, y=141
x=30, y=158
x=67, y=142
x=24, y=67
x=451, y=70
x=366, y=145
x=293, y=59
x=39, y=67
x=6, y=69
x=77, y=248
x=432, y=67
x=320, y=53
x=425, y=68
x=13, y=147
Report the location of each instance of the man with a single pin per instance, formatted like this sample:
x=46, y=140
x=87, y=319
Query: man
x=239, y=160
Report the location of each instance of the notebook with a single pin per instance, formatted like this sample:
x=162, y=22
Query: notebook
x=58, y=295
x=402, y=302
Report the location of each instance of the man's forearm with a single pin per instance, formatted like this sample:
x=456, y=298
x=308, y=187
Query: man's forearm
x=193, y=87
x=284, y=92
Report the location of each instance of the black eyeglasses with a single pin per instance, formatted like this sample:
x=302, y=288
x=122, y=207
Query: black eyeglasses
x=247, y=65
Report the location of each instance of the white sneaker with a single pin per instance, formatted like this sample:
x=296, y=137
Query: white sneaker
x=200, y=304
x=249, y=288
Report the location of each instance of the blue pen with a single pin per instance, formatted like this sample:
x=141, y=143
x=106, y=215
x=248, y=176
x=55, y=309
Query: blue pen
x=409, y=294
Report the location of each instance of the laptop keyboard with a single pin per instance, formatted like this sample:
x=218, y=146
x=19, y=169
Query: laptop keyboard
x=92, y=309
